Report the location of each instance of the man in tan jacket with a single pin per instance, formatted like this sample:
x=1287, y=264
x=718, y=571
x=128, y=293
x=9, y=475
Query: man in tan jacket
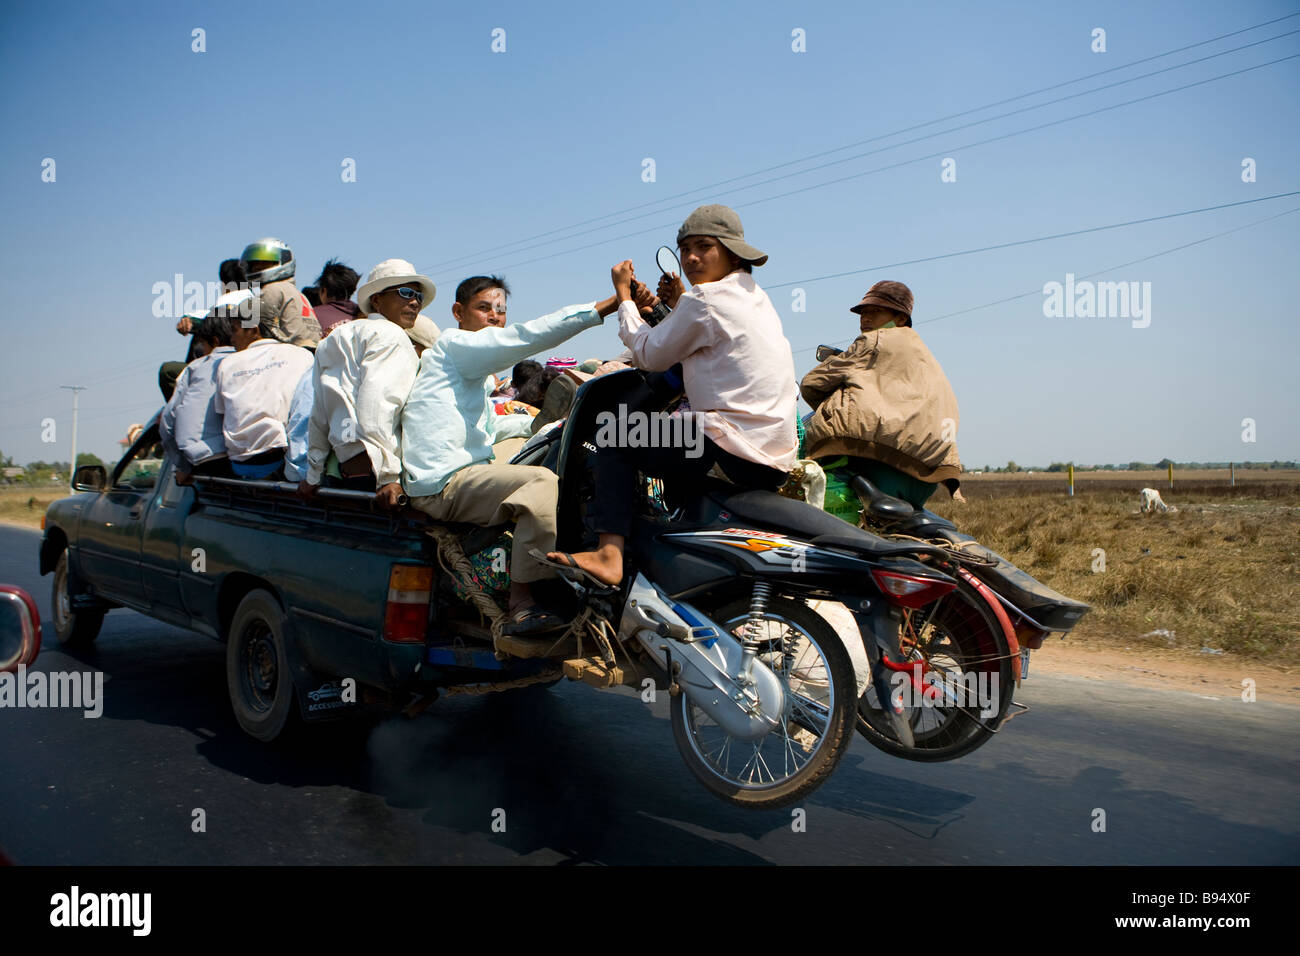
x=883, y=407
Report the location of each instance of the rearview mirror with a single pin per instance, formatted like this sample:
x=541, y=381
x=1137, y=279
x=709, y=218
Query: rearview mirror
x=20, y=628
x=826, y=351
x=667, y=261
x=89, y=478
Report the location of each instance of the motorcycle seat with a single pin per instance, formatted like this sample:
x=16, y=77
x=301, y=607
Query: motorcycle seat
x=879, y=505
x=925, y=524
x=768, y=510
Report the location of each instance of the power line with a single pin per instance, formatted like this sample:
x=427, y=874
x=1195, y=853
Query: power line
x=509, y=245
x=917, y=159
x=1090, y=275
x=918, y=139
x=1025, y=242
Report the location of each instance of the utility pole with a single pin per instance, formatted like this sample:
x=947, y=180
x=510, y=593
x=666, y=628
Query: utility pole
x=72, y=463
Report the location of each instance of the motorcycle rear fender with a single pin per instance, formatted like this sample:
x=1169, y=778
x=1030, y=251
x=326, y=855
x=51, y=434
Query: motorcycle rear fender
x=1004, y=621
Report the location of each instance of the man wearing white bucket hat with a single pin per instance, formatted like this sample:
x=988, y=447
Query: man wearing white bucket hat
x=363, y=372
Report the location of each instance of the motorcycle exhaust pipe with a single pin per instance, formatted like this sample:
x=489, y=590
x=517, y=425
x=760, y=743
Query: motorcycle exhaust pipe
x=711, y=661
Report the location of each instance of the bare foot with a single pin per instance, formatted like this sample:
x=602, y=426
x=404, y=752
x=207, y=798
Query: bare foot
x=605, y=564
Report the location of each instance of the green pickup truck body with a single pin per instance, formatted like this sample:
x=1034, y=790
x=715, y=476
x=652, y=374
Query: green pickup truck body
x=190, y=557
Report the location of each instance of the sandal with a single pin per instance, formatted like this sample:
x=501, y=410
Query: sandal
x=533, y=620
x=569, y=568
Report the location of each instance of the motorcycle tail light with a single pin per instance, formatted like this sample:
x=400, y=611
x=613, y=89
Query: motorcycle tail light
x=906, y=590
x=407, y=611
x=1029, y=636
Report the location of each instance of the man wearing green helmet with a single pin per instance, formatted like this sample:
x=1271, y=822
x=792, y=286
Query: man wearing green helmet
x=279, y=305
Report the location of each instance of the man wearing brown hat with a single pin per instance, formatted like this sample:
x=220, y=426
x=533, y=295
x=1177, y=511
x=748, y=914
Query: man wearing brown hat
x=886, y=305
x=883, y=408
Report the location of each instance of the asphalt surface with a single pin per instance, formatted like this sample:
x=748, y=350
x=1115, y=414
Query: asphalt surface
x=585, y=776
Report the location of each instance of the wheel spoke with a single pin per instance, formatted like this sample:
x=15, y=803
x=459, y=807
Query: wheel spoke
x=794, y=651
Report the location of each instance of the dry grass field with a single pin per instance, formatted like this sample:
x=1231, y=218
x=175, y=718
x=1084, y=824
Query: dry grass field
x=1215, y=482
x=1222, y=572
x=24, y=506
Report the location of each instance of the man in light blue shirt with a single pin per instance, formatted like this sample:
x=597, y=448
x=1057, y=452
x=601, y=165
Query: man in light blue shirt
x=448, y=429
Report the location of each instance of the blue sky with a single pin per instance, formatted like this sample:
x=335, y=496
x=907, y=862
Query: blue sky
x=168, y=161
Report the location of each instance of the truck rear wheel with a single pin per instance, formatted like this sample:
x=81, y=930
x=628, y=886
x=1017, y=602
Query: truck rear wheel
x=257, y=669
x=73, y=628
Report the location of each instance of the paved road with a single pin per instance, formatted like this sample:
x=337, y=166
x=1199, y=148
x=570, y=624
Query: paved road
x=594, y=777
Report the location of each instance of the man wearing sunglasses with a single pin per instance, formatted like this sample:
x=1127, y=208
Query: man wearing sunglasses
x=363, y=372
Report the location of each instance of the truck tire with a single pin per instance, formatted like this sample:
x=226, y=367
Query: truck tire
x=258, y=677
x=73, y=628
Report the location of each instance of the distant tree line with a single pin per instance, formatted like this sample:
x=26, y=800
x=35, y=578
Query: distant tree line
x=1163, y=464
x=41, y=472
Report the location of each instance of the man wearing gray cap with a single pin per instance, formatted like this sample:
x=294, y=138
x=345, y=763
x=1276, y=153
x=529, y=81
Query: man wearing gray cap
x=738, y=375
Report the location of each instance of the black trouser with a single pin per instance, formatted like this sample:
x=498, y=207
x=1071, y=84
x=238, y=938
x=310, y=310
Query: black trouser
x=617, y=496
x=355, y=483
x=215, y=468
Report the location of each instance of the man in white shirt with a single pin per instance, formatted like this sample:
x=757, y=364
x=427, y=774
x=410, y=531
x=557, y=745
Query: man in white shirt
x=255, y=386
x=738, y=374
x=364, y=370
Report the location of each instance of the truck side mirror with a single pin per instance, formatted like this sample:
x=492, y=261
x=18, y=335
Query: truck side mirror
x=20, y=628
x=89, y=478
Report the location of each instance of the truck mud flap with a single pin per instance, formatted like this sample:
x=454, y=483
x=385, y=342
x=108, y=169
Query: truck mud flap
x=321, y=697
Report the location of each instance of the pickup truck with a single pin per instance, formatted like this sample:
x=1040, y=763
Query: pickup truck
x=326, y=606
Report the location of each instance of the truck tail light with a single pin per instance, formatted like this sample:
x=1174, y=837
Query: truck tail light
x=907, y=590
x=407, y=612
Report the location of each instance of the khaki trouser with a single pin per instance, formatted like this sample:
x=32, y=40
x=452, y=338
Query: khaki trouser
x=494, y=494
x=506, y=449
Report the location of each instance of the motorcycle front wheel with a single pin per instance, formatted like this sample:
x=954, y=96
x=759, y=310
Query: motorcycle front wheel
x=815, y=730
x=962, y=651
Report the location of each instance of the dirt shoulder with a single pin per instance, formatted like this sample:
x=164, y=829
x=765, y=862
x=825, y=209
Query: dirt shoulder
x=1210, y=675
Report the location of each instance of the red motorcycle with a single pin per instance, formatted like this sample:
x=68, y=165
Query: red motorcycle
x=949, y=674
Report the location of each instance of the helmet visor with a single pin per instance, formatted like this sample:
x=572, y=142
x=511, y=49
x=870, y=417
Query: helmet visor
x=265, y=252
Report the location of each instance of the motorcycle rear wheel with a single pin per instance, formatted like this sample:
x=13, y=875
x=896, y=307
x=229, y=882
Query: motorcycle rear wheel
x=960, y=640
x=809, y=658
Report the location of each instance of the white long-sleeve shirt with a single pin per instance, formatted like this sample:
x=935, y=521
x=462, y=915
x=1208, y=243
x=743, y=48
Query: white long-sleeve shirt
x=736, y=363
x=254, y=390
x=364, y=370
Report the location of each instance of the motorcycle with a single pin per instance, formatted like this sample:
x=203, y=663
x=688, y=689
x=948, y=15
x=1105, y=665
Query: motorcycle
x=961, y=657
x=764, y=692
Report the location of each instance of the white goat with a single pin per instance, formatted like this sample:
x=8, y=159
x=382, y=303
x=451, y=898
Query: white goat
x=1151, y=501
